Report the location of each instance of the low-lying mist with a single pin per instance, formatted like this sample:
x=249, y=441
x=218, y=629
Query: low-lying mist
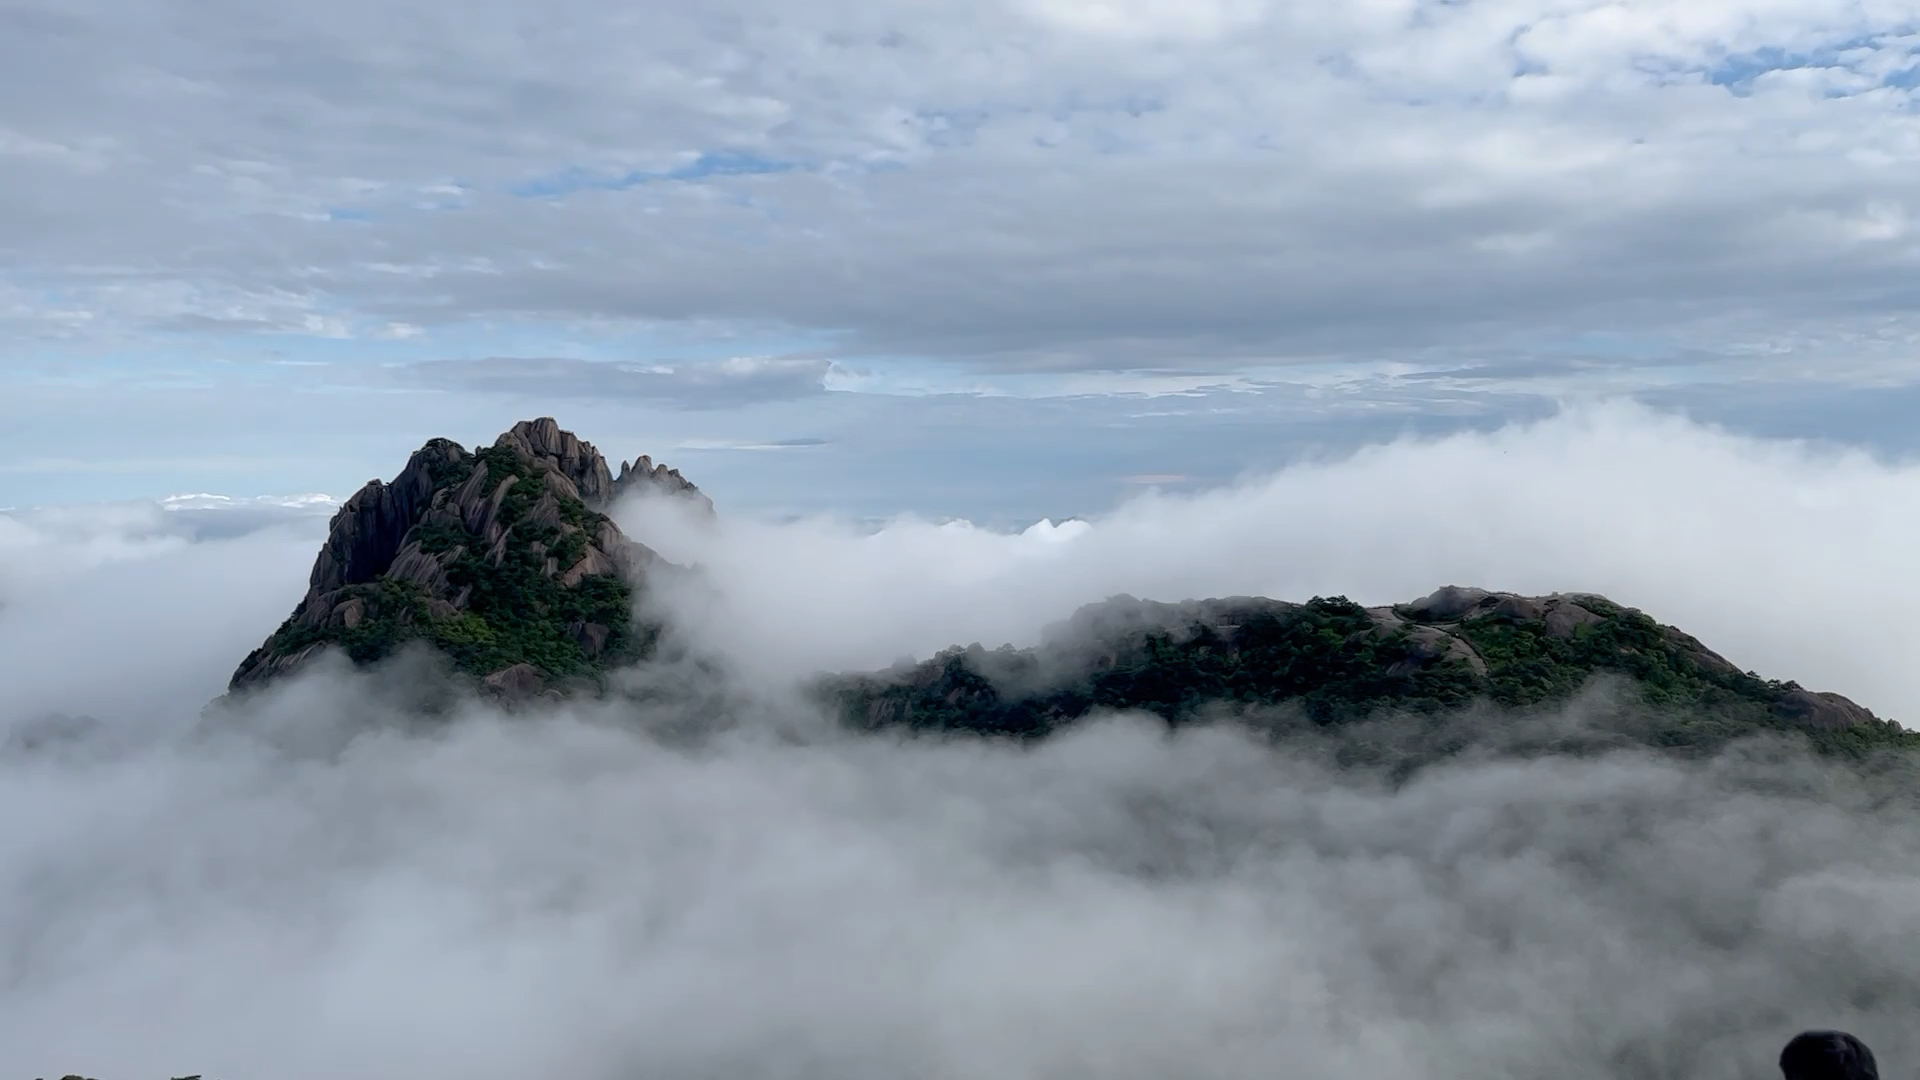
x=558, y=894
x=321, y=888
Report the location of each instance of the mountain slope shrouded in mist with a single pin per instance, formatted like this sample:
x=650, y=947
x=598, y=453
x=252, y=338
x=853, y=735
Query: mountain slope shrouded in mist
x=505, y=562
x=1340, y=662
x=1215, y=863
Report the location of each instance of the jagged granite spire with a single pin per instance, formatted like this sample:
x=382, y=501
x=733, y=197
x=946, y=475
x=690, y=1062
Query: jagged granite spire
x=579, y=462
x=641, y=474
x=503, y=559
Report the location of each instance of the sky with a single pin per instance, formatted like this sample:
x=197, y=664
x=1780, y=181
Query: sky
x=717, y=883
x=996, y=260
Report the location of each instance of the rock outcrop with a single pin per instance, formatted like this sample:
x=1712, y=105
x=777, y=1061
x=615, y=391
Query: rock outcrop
x=1431, y=628
x=642, y=475
x=502, y=558
x=583, y=466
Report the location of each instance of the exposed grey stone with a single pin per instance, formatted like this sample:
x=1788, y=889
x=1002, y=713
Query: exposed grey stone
x=591, y=637
x=416, y=566
x=594, y=561
x=1519, y=608
x=515, y=683
x=1822, y=711
x=367, y=531
x=1564, y=617
x=642, y=475
x=1446, y=603
x=578, y=461
x=348, y=614
x=545, y=512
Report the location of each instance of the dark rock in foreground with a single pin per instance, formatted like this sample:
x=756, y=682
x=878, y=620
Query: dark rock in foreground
x=502, y=559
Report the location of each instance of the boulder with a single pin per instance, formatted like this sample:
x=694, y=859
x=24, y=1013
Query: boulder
x=517, y=682
x=416, y=566
x=348, y=614
x=1564, y=617
x=1822, y=711
x=1517, y=608
x=591, y=637
x=1446, y=604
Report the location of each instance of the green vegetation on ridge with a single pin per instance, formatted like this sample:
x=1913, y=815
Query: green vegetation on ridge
x=1338, y=664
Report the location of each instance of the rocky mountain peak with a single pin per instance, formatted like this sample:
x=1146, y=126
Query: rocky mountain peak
x=641, y=474
x=503, y=558
x=543, y=443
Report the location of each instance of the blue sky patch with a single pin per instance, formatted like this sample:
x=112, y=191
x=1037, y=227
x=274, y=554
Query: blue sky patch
x=706, y=166
x=1737, y=71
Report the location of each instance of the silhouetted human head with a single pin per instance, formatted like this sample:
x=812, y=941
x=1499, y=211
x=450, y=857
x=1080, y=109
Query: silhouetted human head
x=1827, y=1055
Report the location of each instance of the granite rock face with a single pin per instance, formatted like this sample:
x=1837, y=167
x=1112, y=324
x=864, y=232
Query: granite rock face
x=642, y=475
x=504, y=558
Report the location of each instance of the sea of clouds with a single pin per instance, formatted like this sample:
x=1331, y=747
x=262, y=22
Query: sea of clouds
x=564, y=893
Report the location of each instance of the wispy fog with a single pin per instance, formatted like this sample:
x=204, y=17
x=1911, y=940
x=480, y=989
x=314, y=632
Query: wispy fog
x=1794, y=561
x=318, y=894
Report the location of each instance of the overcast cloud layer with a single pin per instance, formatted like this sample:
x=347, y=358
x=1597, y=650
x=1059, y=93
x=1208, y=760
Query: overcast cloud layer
x=1018, y=184
x=991, y=259
x=316, y=894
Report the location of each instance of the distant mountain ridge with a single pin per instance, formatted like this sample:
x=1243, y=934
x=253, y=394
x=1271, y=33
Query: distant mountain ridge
x=502, y=558
x=1340, y=662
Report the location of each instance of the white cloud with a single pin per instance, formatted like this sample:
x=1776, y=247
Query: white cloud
x=1151, y=20
x=1082, y=184
x=567, y=896
x=120, y=607
x=202, y=500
